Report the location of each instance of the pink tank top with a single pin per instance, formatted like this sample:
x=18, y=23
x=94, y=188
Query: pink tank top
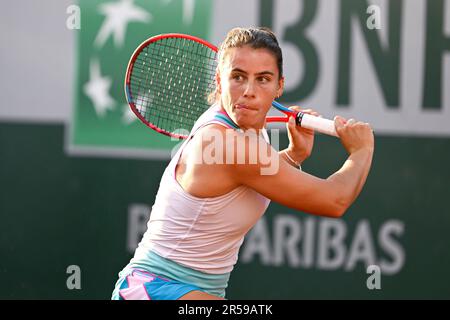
x=204, y=234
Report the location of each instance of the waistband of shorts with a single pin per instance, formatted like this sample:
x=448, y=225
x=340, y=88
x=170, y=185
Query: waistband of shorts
x=151, y=262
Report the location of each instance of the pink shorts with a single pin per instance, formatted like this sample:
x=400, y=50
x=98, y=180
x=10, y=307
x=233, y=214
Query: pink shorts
x=138, y=284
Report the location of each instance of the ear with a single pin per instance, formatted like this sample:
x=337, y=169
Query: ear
x=218, y=85
x=280, y=87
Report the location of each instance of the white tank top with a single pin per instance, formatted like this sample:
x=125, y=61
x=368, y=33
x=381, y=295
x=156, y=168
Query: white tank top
x=204, y=234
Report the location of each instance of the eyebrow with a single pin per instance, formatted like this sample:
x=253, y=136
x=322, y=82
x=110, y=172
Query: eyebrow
x=259, y=73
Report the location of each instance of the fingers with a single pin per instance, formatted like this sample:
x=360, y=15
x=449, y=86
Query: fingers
x=308, y=111
x=291, y=122
x=343, y=124
x=339, y=123
x=292, y=130
x=290, y=125
x=351, y=121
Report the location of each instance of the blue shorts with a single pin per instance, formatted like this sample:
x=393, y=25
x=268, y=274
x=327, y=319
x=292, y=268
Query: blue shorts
x=136, y=284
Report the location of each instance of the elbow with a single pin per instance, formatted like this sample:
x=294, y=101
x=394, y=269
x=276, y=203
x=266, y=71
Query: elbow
x=334, y=212
x=334, y=200
x=339, y=207
x=338, y=211
x=341, y=201
x=332, y=209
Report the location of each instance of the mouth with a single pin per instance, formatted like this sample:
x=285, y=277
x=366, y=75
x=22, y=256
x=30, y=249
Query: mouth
x=244, y=107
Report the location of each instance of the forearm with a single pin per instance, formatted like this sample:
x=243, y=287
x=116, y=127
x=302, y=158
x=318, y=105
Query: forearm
x=350, y=178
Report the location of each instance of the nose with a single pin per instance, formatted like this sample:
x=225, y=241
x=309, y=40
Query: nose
x=249, y=91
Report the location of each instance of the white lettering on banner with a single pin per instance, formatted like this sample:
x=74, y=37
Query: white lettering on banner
x=391, y=247
x=332, y=251
x=331, y=236
x=287, y=234
x=362, y=248
x=291, y=241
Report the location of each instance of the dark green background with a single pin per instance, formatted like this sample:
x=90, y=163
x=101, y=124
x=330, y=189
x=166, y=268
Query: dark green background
x=58, y=210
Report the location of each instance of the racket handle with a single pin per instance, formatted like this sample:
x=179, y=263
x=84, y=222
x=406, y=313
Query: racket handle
x=316, y=123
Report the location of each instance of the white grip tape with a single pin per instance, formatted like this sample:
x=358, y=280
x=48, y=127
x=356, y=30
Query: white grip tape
x=319, y=124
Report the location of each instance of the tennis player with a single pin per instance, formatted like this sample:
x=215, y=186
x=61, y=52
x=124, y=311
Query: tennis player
x=202, y=211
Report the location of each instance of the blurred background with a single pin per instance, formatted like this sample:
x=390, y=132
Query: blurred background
x=79, y=173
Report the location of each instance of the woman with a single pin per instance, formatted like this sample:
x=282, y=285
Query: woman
x=204, y=208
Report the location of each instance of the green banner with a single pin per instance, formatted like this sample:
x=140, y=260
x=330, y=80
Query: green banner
x=110, y=32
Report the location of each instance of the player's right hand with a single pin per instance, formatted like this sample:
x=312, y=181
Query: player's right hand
x=354, y=135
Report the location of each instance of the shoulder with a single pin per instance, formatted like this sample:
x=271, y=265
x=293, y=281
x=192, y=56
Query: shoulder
x=208, y=145
x=240, y=151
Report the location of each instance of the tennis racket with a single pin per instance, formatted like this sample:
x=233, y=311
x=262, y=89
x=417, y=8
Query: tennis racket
x=169, y=78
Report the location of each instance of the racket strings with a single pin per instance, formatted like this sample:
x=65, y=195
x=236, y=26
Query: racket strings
x=170, y=82
x=171, y=98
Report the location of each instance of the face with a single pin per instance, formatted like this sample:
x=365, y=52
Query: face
x=248, y=81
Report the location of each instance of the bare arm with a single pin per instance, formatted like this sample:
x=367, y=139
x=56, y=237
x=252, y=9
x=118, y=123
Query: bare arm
x=329, y=197
x=296, y=189
x=357, y=138
x=353, y=174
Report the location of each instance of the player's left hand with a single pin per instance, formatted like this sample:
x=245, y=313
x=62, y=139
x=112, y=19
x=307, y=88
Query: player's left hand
x=301, y=140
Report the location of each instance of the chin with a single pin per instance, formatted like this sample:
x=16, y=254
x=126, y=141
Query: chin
x=245, y=123
x=245, y=119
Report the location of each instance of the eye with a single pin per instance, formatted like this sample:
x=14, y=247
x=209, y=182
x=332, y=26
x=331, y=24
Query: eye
x=237, y=77
x=263, y=79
